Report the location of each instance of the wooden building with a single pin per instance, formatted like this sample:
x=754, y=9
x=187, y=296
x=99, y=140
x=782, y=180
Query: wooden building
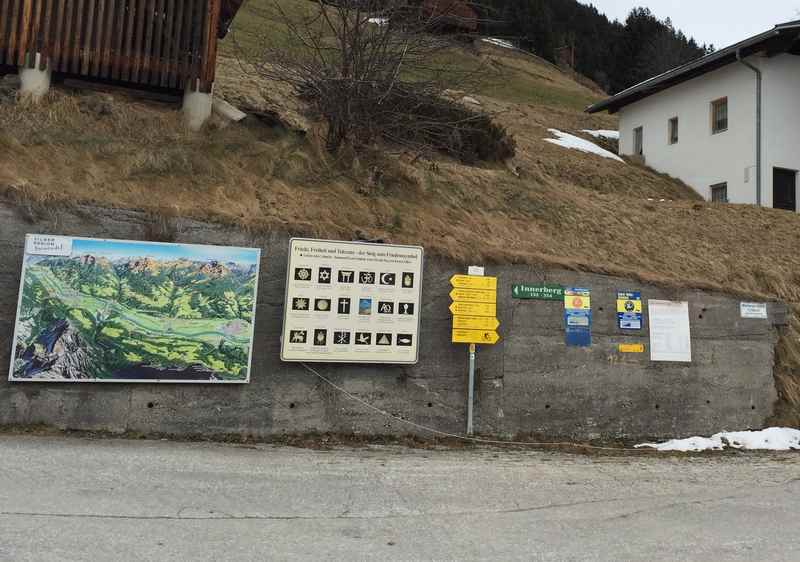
x=149, y=44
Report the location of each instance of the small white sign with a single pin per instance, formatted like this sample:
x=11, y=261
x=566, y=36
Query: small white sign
x=670, y=335
x=477, y=270
x=47, y=245
x=756, y=310
x=352, y=302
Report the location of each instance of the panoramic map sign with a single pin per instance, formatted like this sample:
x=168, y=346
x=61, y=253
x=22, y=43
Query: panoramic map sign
x=352, y=302
x=94, y=310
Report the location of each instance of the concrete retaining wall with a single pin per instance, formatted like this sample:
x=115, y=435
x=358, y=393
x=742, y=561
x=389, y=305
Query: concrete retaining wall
x=530, y=383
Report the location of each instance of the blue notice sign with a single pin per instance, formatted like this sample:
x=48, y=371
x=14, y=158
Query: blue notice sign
x=629, y=310
x=578, y=317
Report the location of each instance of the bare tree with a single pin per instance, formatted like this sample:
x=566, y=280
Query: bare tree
x=376, y=68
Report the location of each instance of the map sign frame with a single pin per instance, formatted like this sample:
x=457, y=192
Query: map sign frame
x=93, y=310
x=352, y=302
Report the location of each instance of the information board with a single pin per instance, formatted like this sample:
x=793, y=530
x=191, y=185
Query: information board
x=352, y=302
x=94, y=310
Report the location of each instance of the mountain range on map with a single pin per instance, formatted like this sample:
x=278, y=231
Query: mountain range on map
x=137, y=318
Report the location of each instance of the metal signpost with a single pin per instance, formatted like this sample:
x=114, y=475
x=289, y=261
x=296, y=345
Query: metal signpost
x=475, y=321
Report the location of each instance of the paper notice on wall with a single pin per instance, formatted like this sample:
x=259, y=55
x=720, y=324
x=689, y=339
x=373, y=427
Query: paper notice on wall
x=757, y=310
x=670, y=335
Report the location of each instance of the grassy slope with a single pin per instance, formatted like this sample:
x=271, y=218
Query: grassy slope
x=549, y=206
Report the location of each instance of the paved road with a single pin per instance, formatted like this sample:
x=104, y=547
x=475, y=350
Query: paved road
x=79, y=499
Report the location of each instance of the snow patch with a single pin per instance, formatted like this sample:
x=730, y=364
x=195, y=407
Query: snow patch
x=498, y=42
x=772, y=439
x=602, y=134
x=379, y=21
x=571, y=141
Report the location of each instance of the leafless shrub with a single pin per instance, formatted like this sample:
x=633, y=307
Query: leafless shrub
x=379, y=69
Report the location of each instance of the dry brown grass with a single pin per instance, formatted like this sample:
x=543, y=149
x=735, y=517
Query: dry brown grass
x=550, y=206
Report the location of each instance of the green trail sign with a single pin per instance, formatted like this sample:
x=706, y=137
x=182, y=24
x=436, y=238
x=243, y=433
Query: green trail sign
x=538, y=292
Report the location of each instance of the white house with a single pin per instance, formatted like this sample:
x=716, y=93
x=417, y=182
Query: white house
x=727, y=124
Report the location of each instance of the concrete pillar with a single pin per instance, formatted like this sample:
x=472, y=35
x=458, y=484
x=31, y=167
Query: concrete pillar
x=196, y=108
x=34, y=83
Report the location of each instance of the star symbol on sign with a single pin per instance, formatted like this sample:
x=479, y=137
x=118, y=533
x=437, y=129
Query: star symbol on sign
x=300, y=304
x=324, y=276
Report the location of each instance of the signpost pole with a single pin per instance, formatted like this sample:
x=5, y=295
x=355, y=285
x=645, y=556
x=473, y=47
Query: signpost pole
x=471, y=387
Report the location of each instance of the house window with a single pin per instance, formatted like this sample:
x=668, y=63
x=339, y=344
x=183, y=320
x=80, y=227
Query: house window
x=638, y=141
x=719, y=116
x=719, y=193
x=673, y=130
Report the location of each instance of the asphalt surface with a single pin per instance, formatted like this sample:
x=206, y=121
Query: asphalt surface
x=81, y=499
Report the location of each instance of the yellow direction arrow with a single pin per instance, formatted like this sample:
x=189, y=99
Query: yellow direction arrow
x=473, y=309
x=474, y=282
x=486, y=337
x=472, y=295
x=475, y=323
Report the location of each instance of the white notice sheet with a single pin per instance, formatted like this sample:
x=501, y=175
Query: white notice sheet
x=670, y=336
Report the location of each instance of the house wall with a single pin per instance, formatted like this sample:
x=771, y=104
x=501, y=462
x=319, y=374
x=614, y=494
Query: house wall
x=530, y=383
x=700, y=158
x=781, y=116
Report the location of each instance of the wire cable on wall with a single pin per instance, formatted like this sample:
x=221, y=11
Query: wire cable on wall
x=468, y=438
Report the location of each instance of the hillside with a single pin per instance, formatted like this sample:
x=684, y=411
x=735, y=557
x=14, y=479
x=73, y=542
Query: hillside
x=548, y=206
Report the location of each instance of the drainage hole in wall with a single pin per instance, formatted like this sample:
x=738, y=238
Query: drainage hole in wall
x=600, y=309
x=150, y=404
x=547, y=406
x=700, y=317
x=752, y=407
x=291, y=405
x=708, y=401
x=657, y=406
x=430, y=404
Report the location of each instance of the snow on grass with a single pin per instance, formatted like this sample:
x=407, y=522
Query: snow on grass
x=571, y=141
x=498, y=42
x=379, y=21
x=602, y=134
x=772, y=439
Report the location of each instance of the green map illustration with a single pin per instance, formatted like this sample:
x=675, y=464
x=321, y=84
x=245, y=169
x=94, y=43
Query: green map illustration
x=133, y=311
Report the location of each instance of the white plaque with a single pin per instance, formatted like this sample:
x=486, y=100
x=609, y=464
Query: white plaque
x=47, y=245
x=352, y=302
x=670, y=335
x=477, y=270
x=756, y=310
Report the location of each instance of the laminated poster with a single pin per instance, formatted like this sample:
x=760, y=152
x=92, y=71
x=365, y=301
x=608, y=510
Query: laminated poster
x=578, y=317
x=670, y=335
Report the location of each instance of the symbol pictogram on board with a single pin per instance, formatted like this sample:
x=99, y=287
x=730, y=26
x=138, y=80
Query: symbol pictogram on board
x=298, y=336
x=302, y=274
x=405, y=309
x=300, y=304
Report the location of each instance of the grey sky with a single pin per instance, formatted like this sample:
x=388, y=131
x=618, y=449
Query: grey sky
x=721, y=22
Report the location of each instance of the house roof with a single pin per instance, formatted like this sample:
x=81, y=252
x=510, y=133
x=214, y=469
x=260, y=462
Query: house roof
x=783, y=38
x=228, y=10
